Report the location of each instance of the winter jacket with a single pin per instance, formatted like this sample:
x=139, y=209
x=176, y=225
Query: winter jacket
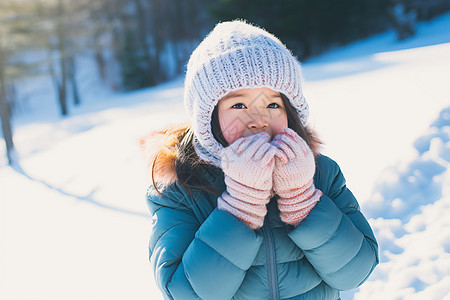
x=200, y=252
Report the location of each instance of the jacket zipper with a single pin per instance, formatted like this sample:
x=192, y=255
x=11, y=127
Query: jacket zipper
x=271, y=261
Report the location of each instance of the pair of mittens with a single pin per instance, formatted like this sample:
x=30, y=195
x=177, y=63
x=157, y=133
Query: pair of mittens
x=254, y=168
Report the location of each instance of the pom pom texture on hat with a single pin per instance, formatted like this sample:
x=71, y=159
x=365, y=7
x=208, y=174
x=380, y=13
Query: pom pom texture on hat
x=236, y=55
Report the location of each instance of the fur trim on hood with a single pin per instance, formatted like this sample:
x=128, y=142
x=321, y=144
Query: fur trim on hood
x=160, y=149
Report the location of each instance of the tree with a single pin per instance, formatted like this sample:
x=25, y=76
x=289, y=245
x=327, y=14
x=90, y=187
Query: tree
x=61, y=28
x=151, y=40
x=5, y=109
x=11, y=38
x=404, y=21
x=309, y=27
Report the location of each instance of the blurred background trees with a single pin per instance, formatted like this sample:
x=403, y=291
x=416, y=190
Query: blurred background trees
x=132, y=44
x=310, y=27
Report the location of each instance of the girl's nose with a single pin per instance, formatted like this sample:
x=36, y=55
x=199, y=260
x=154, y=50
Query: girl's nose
x=258, y=120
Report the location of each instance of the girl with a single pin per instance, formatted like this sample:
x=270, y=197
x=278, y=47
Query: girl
x=243, y=204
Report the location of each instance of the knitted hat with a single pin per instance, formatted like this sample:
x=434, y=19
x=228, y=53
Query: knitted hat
x=236, y=55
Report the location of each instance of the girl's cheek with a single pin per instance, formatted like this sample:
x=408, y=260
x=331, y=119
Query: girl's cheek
x=230, y=138
x=232, y=131
x=278, y=125
x=229, y=125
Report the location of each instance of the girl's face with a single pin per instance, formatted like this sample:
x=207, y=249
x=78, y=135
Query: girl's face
x=250, y=111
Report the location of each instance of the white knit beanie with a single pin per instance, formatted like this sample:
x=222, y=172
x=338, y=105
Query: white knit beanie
x=236, y=55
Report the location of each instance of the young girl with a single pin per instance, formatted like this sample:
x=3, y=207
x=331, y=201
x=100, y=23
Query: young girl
x=243, y=204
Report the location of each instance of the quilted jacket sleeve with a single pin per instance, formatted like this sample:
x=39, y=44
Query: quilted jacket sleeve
x=335, y=237
x=193, y=260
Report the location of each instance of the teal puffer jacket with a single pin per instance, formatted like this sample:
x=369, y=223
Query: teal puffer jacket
x=200, y=252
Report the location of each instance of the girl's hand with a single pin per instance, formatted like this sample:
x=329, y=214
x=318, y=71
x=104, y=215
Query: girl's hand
x=248, y=165
x=293, y=177
x=250, y=161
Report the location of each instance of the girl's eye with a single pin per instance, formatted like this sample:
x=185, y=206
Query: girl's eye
x=274, y=105
x=239, y=106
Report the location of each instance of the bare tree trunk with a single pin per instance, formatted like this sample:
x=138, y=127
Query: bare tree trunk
x=157, y=38
x=71, y=74
x=5, y=113
x=101, y=64
x=142, y=37
x=60, y=87
x=62, y=83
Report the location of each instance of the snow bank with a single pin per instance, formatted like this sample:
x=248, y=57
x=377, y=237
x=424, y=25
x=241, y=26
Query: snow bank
x=411, y=209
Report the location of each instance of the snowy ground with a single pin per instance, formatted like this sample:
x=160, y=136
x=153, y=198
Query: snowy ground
x=73, y=220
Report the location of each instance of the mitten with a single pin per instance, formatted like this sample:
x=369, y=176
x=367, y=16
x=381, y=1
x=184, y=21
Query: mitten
x=248, y=166
x=293, y=177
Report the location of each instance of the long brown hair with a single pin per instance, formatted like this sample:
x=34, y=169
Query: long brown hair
x=190, y=169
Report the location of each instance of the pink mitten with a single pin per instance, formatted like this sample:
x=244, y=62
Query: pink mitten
x=293, y=177
x=248, y=166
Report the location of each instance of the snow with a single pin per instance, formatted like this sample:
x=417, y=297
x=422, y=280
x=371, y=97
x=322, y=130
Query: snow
x=73, y=218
